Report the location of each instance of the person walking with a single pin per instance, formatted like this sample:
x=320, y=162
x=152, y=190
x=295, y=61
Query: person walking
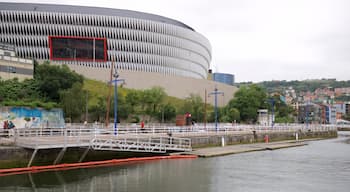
x=142, y=127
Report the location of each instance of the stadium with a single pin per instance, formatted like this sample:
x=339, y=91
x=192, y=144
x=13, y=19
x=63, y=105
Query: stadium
x=163, y=51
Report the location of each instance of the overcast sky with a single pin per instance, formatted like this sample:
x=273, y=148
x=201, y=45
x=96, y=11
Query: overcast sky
x=259, y=40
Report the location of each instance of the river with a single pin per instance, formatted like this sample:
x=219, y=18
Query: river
x=320, y=166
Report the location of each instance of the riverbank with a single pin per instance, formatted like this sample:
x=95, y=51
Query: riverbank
x=236, y=141
x=244, y=148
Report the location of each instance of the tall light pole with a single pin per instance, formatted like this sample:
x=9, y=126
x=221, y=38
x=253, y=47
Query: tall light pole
x=115, y=81
x=307, y=114
x=272, y=103
x=86, y=107
x=215, y=93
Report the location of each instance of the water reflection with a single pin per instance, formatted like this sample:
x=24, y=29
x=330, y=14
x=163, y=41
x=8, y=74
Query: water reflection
x=165, y=175
x=320, y=166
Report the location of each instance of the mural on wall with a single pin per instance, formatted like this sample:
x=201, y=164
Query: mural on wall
x=23, y=117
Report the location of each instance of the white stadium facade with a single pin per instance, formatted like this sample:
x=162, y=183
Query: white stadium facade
x=147, y=50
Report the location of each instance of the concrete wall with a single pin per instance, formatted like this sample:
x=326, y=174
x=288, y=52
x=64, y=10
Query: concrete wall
x=24, y=69
x=250, y=138
x=180, y=87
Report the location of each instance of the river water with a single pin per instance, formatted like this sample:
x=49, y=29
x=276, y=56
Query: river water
x=320, y=166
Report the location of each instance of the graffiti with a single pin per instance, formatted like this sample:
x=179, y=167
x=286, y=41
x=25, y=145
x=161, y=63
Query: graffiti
x=23, y=117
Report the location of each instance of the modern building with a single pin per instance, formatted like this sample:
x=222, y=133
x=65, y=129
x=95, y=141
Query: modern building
x=12, y=66
x=309, y=113
x=263, y=117
x=226, y=78
x=94, y=37
x=148, y=50
x=330, y=114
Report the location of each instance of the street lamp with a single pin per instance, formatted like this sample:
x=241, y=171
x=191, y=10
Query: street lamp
x=115, y=81
x=272, y=103
x=307, y=114
x=215, y=93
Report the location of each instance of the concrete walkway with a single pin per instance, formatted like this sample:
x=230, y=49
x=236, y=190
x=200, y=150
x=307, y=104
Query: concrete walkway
x=234, y=149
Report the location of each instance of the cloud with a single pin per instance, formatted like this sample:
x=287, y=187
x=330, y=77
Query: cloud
x=261, y=40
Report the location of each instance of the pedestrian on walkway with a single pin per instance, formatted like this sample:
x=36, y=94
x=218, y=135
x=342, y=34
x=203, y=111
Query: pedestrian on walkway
x=142, y=126
x=6, y=124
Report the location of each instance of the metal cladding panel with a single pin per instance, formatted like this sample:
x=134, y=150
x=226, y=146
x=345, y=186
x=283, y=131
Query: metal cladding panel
x=135, y=43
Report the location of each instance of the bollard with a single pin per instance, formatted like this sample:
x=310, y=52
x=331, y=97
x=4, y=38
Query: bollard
x=296, y=137
x=222, y=141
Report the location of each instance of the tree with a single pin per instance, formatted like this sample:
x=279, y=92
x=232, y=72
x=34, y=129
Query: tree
x=248, y=99
x=230, y=115
x=194, y=105
x=98, y=112
x=53, y=78
x=73, y=101
x=283, y=112
x=133, y=98
x=166, y=112
x=151, y=99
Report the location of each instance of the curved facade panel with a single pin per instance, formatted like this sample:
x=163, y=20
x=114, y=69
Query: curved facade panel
x=136, y=41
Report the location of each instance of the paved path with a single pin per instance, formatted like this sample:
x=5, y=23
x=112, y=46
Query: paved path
x=233, y=149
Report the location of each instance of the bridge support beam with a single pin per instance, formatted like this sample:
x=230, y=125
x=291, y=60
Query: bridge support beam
x=84, y=155
x=60, y=156
x=32, y=157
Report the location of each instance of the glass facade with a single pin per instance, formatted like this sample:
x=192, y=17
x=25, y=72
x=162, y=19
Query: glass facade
x=224, y=78
x=70, y=48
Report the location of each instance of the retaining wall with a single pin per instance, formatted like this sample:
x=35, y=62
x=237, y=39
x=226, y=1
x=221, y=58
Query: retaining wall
x=207, y=141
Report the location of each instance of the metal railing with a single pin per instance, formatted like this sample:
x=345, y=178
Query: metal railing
x=150, y=144
x=93, y=130
x=201, y=128
x=84, y=135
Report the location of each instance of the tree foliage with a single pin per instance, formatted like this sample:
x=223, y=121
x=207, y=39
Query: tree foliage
x=151, y=100
x=306, y=85
x=194, y=105
x=166, y=113
x=53, y=78
x=73, y=101
x=247, y=100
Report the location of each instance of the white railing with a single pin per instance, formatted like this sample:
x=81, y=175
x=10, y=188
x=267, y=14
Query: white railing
x=201, y=128
x=93, y=130
x=82, y=134
x=143, y=144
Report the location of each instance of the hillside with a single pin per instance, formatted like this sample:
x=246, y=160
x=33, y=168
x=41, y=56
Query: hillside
x=301, y=86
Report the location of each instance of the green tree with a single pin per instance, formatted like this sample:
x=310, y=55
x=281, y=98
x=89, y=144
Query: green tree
x=73, y=102
x=194, y=105
x=230, y=115
x=98, y=112
x=53, y=78
x=151, y=99
x=248, y=99
x=166, y=112
x=283, y=112
x=133, y=98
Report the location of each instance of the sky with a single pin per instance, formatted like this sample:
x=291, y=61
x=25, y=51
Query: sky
x=259, y=40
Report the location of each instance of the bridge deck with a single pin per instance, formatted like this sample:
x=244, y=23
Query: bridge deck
x=143, y=142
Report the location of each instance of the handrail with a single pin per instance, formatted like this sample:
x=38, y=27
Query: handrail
x=184, y=130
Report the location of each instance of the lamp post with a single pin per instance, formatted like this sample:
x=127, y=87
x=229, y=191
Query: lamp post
x=272, y=103
x=307, y=114
x=115, y=81
x=215, y=93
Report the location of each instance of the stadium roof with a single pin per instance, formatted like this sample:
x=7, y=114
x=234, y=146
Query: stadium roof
x=90, y=10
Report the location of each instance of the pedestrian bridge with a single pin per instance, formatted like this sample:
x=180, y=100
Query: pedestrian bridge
x=38, y=139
